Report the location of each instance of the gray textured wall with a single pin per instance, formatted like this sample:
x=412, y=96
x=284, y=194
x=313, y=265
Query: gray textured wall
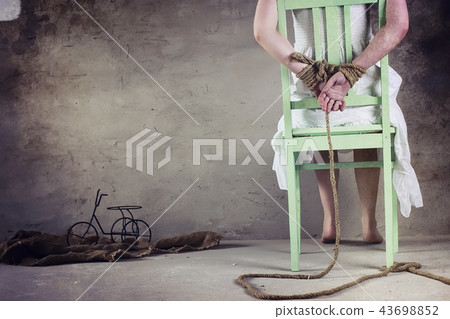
x=71, y=98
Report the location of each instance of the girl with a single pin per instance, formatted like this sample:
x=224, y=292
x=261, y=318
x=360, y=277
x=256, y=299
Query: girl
x=368, y=50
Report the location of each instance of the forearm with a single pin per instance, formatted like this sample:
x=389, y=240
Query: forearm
x=267, y=35
x=388, y=36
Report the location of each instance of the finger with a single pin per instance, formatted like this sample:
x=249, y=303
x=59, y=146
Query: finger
x=317, y=92
x=342, y=107
x=337, y=105
x=323, y=105
x=327, y=102
x=330, y=105
x=321, y=99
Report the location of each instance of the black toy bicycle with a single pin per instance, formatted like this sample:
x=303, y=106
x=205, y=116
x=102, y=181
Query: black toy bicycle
x=85, y=233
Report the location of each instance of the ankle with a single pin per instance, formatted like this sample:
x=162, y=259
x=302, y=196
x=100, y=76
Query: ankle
x=369, y=222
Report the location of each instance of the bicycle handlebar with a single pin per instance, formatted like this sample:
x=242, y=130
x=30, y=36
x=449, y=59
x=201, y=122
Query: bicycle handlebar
x=98, y=198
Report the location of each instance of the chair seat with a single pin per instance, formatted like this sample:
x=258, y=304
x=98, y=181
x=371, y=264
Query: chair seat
x=340, y=130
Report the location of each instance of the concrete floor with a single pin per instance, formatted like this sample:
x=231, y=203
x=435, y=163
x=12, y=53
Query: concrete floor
x=211, y=274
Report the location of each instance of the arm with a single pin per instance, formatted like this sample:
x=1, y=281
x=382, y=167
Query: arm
x=386, y=39
x=268, y=36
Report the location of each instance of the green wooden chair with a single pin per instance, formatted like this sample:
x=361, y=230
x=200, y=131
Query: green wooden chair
x=343, y=137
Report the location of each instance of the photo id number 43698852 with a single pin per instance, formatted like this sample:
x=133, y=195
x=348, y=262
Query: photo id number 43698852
x=409, y=310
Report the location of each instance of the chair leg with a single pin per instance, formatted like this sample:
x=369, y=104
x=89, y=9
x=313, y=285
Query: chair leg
x=395, y=219
x=298, y=210
x=394, y=200
x=294, y=210
x=388, y=209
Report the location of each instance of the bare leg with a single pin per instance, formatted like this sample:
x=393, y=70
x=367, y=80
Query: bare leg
x=367, y=182
x=326, y=197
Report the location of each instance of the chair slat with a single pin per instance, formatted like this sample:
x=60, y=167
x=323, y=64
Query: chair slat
x=348, y=35
x=333, y=36
x=355, y=100
x=348, y=40
x=339, y=165
x=319, y=50
x=339, y=130
x=341, y=142
x=302, y=4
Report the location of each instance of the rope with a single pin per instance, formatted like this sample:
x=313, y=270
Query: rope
x=321, y=71
x=412, y=267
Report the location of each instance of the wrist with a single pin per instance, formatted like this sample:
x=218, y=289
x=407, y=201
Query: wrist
x=360, y=63
x=296, y=66
x=352, y=72
x=312, y=72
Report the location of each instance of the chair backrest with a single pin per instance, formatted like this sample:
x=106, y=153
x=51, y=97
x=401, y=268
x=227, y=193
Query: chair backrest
x=331, y=52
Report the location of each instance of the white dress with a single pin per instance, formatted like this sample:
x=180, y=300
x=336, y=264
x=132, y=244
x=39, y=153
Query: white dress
x=404, y=178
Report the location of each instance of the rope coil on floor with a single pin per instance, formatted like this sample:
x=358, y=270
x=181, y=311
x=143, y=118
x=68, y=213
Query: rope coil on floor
x=412, y=267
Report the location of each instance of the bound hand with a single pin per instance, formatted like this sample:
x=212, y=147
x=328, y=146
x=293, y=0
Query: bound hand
x=331, y=96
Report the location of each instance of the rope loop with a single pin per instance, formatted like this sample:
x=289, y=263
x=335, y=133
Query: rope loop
x=402, y=266
x=321, y=71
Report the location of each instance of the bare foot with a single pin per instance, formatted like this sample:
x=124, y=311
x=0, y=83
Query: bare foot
x=371, y=235
x=329, y=232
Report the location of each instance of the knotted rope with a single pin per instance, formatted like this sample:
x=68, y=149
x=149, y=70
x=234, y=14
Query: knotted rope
x=411, y=267
x=321, y=71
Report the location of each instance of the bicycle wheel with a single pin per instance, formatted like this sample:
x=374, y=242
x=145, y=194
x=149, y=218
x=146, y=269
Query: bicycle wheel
x=118, y=232
x=82, y=233
x=137, y=228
